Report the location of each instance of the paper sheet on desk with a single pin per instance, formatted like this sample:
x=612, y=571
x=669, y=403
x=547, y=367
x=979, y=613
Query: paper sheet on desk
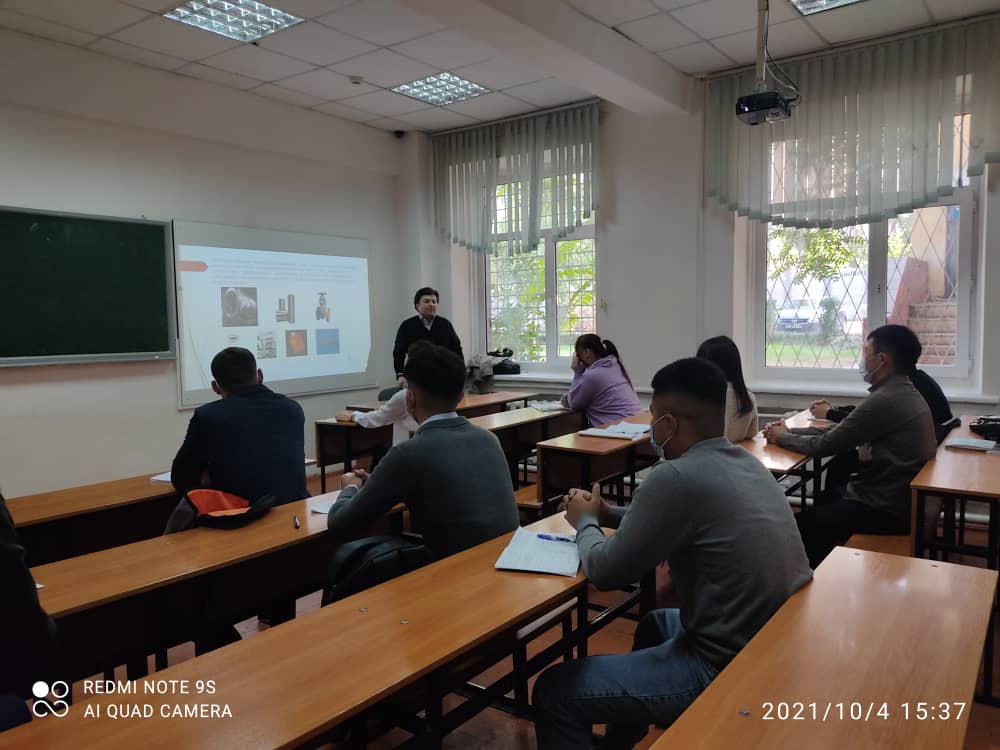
x=527, y=552
x=164, y=477
x=547, y=405
x=324, y=507
x=623, y=430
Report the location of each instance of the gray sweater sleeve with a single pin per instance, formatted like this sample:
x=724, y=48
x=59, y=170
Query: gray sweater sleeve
x=649, y=532
x=872, y=418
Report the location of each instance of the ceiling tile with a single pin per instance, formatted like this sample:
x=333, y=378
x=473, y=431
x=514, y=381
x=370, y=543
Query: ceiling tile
x=94, y=16
x=153, y=6
x=281, y=94
x=437, y=118
x=264, y=65
x=869, y=19
x=348, y=113
x=315, y=43
x=43, y=28
x=174, y=38
x=325, y=84
x=500, y=73
x=385, y=103
x=382, y=22
x=214, y=75
x=310, y=8
x=387, y=123
x=700, y=57
x=385, y=68
x=491, y=106
x=136, y=54
x=548, y=93
x=616, y=11
x=447, y=49
x=657, y=33
x=783, y=40
x=722, y=17
x=945, y=10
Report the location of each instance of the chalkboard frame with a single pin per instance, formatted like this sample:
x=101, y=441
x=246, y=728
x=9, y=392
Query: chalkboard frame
x=170, y=302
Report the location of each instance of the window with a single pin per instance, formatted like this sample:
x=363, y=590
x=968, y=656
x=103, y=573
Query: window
x=539, y=301
x=822, y=290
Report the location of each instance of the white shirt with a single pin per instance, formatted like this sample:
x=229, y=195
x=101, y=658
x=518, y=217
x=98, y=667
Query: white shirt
x=392, y=412
x=428, y=322
x=739, y=426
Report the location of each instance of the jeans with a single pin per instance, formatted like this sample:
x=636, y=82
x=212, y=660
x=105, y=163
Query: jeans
x=824, y=527
x=652, y=685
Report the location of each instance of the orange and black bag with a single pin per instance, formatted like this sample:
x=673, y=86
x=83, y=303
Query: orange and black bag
x=220, y=510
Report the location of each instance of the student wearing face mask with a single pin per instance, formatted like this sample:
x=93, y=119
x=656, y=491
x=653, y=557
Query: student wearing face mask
x=893, y=433
x=716, y=515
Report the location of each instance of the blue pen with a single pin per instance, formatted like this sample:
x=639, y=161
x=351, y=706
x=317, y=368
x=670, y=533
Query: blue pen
x=553, y=538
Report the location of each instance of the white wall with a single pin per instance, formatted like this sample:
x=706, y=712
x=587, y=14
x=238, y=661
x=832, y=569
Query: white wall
x=160, y=151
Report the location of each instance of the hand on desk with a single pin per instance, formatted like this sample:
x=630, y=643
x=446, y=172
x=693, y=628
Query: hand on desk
x=579, y=503
x=820, y=408
x=401, y=381
x=354, y=478
x=774, y=429
x=345, y=416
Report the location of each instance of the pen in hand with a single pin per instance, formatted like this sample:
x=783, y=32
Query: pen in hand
x=295, y=520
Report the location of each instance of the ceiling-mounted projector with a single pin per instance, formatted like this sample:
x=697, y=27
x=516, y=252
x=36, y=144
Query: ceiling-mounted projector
x=765, y=105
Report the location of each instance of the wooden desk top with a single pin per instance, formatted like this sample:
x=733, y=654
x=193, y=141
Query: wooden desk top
x=776, y=459
x=514, y=418
x=291, y=683
x=598, y=446
x=100, y=577
x=869, y=628
x=954, y=470
x=50, y=506
x=469, y=401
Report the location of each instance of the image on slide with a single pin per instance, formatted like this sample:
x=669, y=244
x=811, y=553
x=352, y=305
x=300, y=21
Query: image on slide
x=286, y=309
x=296, y=343
x=267, y=347
x=328, y=341
x=239, y=306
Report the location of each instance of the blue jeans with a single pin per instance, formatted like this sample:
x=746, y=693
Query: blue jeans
x=652, y=685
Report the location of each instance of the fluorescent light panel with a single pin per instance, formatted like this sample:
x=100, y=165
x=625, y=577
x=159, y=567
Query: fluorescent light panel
x=441, y=89
x=808, y=7
x=242, y=20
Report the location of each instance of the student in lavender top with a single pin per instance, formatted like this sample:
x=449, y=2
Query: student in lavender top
x=601, y=387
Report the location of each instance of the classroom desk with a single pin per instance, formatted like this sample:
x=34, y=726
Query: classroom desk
x=291, y=684
x=520, y=430
x=118, y=603
x=341, y=442
x=959, y=475
x=79, y=520
x=870, y=629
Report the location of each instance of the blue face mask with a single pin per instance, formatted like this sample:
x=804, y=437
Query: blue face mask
x=658, y=447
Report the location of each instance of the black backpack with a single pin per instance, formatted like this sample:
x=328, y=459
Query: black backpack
x=364, y=563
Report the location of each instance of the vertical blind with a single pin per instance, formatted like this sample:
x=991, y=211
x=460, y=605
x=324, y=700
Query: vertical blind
x=548, y=163
x=880, y=130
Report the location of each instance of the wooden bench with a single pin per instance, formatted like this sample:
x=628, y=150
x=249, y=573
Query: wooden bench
x=890, y=544
x=870, y=629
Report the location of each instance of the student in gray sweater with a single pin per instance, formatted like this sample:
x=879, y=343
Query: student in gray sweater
x=893, y=432
x=716, y=515
x=452, y=476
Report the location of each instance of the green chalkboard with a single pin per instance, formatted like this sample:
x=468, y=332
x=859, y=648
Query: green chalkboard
x=79, y=289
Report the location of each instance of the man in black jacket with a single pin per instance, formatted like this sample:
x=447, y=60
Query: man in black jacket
x=250, y=443
x=425, y=325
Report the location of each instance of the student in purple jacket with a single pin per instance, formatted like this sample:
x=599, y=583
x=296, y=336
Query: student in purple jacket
x=601, y=387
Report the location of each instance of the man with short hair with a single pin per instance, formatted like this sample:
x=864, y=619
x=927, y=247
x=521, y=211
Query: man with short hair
x=717, y=517
x=452, y=476
x=893, y=432
x=426, y=324
x=250, y=443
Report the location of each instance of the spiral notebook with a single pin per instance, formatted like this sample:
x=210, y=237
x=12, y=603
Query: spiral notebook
x=530, y=552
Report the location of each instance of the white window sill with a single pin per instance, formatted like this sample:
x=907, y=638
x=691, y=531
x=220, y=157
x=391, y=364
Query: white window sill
x=820, y=390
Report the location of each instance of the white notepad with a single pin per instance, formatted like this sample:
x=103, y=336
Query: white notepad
x=547, y=405
x=324, y=507
x=164, y=477
x=622, y=430
x=526, y=551
x=972, y=444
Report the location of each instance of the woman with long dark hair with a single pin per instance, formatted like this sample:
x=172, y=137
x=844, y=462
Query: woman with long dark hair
x=741, y=406
x=601, y=387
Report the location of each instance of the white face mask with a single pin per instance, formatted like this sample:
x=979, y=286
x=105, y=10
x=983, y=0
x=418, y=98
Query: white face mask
x=658, y=447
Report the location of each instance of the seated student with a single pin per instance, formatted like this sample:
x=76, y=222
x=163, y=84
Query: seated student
x=601, y=387
x=29, y=634
x=249, y=443
x=893, y=433
x=741, y=406
x=716, y=515
x=452, y=476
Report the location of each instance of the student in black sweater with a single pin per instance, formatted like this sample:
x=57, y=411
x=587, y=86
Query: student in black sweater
x=425, y=325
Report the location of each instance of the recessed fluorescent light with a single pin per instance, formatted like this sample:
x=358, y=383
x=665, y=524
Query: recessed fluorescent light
x=441, y=89
x=242, y=20
x=808, y=7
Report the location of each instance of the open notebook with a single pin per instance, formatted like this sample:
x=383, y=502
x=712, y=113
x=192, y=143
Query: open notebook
x=531, y=552
x=622, y=430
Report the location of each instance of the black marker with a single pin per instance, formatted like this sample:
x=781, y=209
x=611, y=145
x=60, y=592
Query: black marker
x=295, y=520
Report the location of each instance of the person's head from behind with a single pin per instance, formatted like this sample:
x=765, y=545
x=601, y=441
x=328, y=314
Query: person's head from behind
x=435, y=381
x=723, y=351
x=889, y=350
x=425, y=302
x=232, y=368
x=688, y=406
x=590, y=347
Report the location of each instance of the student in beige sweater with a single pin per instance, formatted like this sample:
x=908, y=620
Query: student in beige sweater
x=741, y=406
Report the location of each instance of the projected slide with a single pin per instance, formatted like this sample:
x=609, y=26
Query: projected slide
x=305, y=316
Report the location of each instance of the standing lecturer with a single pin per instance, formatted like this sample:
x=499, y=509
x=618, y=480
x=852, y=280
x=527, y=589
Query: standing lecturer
x=425, y=325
